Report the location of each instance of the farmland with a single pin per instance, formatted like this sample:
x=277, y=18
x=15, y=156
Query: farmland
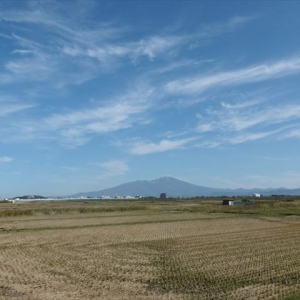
x=172, y=249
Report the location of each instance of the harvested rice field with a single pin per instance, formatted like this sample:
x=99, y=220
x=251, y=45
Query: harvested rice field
x=172, y=250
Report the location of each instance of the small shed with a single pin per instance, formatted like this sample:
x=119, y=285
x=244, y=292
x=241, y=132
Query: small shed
x=228, y=202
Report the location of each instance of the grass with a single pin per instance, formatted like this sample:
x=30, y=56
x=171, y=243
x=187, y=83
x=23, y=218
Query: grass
x=293, y=297
x=23, y=211
x=265, y=206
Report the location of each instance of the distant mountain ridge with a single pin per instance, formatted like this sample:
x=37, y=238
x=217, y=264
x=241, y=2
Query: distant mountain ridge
x=177, y=188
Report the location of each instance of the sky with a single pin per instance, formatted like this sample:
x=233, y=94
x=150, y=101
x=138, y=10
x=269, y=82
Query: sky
x=98, y=93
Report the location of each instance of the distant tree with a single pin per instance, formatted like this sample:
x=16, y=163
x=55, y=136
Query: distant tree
x=163, y=196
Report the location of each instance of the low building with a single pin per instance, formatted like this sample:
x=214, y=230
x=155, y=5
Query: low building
x=228, y=202
x=256, y=195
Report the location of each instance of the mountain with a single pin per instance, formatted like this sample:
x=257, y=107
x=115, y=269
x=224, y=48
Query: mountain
x=177, y=188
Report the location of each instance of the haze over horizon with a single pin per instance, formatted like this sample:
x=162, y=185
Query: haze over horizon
x=98, y=93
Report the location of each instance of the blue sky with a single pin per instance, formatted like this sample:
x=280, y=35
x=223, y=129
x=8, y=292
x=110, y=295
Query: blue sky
x=99, y=93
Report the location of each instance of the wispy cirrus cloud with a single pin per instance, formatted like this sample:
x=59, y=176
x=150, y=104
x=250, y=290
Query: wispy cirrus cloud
x=164, y=145
x=289, y=179
x=33, y=69
x=182, y=65
x=77, y=127
x=246, y=137
x=66, y=27
x=10, y=105
x=72, y=52
x=12, y=108
x=198, y=84
x=249, y=121
x=37, y=58
x=293, y=133
x=241, y=117
x=6, y=159
x=113, y=168
x=152, y=46
x=149, y=47
x=217, y=28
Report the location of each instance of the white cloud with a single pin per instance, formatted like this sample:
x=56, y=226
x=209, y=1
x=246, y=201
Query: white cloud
x=251, y=137
x=57, y=23
x=149, y=47
x=240, y=20
x=113, y=168
x=240, y=117
x=36, y=58
x=156, y=45
x=9, y=108
x=33, y=69
x=293, y=133
x=249, y=121
x=78, y=127
x=39, y=58
x=198, y=84
x=239, y=105
x=162, y=146
x=289, y=179
x=227, y=26
x=71, y=168
x=152, y=46
x=6, y=159
x=181, y=65
x=100, y=119
x=95, y=46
